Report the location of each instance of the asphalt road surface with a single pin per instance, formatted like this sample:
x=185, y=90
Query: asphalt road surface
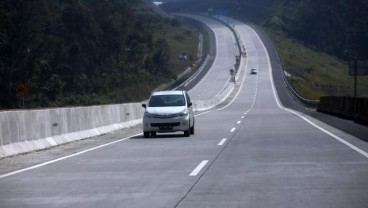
x=251, y=153
x=219, y=74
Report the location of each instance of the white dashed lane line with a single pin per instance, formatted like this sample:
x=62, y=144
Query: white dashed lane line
x=222, y=142
x=198, y=168
x=232, y=130
x=238, y=122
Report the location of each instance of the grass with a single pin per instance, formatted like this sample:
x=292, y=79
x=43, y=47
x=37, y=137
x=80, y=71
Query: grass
x=185, y=44
x=181, y=39
x=313, y=73
x=182, y=36
x=184, y=39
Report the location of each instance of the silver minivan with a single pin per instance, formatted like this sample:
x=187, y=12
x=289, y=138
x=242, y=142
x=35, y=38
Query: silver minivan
x=168, y=111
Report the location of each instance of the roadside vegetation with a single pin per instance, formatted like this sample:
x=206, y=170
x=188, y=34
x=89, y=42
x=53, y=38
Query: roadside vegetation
x=316, y=40
x=314, y=74
x=89, y=52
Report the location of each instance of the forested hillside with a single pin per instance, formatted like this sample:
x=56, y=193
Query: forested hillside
x=316, y=39
x=81, y=52
x=337, y=27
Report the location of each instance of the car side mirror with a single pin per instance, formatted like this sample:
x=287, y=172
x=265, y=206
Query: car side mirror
x=144, y=106
x=190, y=104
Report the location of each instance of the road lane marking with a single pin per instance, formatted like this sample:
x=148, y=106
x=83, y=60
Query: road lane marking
x=198, y=168
x=331, y=134
x=243, y=117
x=65, y=157
x=353, y=147
x=222, y=142
x=232, y=130
x=242, y=65
x=238, y=122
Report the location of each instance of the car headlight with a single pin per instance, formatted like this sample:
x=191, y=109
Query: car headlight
x=148, y=115
x=184, y=113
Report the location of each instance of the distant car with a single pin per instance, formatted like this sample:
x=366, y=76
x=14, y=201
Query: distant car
x=182, y=56
x=168, y=111
x=253, y=71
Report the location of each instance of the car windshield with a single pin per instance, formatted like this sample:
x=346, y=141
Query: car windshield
x=166, y=100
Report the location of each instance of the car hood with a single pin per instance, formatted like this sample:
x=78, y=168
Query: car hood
x=165, y=110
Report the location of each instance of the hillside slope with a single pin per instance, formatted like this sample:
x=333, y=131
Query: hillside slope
x=83, y=52
x=316, y=39
x=336, y=27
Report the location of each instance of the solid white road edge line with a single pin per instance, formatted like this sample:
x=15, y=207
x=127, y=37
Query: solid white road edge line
x=65, y=157
x=198, y=168
x=222, y=142
x=353, y=147
x=332, y=135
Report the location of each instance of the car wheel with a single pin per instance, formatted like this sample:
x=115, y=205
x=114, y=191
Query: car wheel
x=192, y=129
x=146, y=134
x=187, y=133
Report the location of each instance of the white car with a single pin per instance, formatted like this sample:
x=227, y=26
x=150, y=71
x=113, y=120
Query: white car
x=168, y=111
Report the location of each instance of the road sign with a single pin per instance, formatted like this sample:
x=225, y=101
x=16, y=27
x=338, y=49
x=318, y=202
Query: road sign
x=22, y=90
x=358, y=67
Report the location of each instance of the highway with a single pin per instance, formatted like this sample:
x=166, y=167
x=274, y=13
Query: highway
x=252, y=152
x=219, y=74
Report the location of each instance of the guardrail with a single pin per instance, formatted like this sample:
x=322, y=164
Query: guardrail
x=354, y=108
x=305, y=101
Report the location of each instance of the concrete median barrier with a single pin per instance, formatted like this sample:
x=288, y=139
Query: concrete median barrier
x=203, y=105
x=29, y=130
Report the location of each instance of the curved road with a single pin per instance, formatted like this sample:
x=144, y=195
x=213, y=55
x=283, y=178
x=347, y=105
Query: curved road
x=219, y=74
x=251, y=153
